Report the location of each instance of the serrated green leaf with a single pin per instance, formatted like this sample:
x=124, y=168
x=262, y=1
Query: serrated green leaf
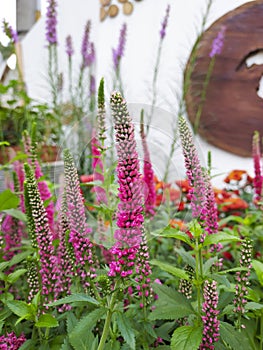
x=170, y=305
x=71, y=322
x=74, y=298
x=3, y=266
x=14, y=276
x=20, y=308
x=46, y=321
x=66, y=345
x=219, y=238
x=186, y=338
x=126, y=330
x=258, y=267
x=88, y=322
x=171, y=269
x=232, y=337
x=16, y=213
x=84, y=342
x=28, y=345
x=8, y=200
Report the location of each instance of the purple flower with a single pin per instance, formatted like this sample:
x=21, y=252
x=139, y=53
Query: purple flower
x=258, y=179
x=194, y=172
x=148, y=177
x=85, y=40
x=92, y=85
x=51, y=22
x=79, y=230
x=10, y=32
x=164, y=23
x=69, y=46
x=130, y=210
x=117, y=53
x=218, y=43
x=210, y=321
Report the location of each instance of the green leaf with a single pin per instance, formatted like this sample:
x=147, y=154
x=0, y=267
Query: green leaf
x=253, y=306
x=235, y=339
x=17, y=214
x=21, y=309
x=219, y=238
x=74, y=298
x=170, y=232
x=126, y=330
x=14, y=276
x=258, y=267
x=8, y=200
x=186, y=338
x=170, y=305
x=46, y=321
x=231, y=218
x=171, y=269
x=88, y=322
x=19, y=257
x=71, y=322
x=186, y=256
x=4, y=265
x=28, y=345
x=209, y=263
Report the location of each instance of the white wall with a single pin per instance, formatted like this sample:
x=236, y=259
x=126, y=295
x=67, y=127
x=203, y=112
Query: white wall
x=138, y=63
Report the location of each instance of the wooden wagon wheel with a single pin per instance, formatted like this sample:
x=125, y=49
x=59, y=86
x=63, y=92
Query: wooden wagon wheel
x=232, y=110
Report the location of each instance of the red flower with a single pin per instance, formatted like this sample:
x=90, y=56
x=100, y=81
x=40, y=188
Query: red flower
x=86, y=178
x=184, y=185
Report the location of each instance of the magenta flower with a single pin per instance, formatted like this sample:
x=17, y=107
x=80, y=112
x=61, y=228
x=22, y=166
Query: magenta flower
x=11, y=341
x=117, y=53
x=79, y=230
x=165, y=23
x=51, y=22
x=10, y=32
x=210, y=321
x=218, y=43
x=69, y=46
x=148, y=177
x=130, y=209
x=85, y=40
x=258, y=179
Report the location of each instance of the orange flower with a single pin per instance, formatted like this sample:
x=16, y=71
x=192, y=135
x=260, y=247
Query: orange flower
x=235, y=175
x=234, y=204
x=177, y=223
x=184, y=185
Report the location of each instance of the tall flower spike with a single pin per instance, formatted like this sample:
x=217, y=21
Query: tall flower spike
x=130, y=210
x=117, y=53
x=43, y=235
x=218, y=43
x=69, y=46
x=210, y=321
x=148, y=176
x=97, y=166
x=10, y=32
x=258, y=179
x=79, y=230
x=242, y=278
x=51, y=22
x=165, y=23
x=193, y=171
x=101, y=122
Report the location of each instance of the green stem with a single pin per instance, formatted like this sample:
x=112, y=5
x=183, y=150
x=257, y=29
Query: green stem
x=203, y=94
x=261, y=332
x=198, y=275
x=110, y=312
